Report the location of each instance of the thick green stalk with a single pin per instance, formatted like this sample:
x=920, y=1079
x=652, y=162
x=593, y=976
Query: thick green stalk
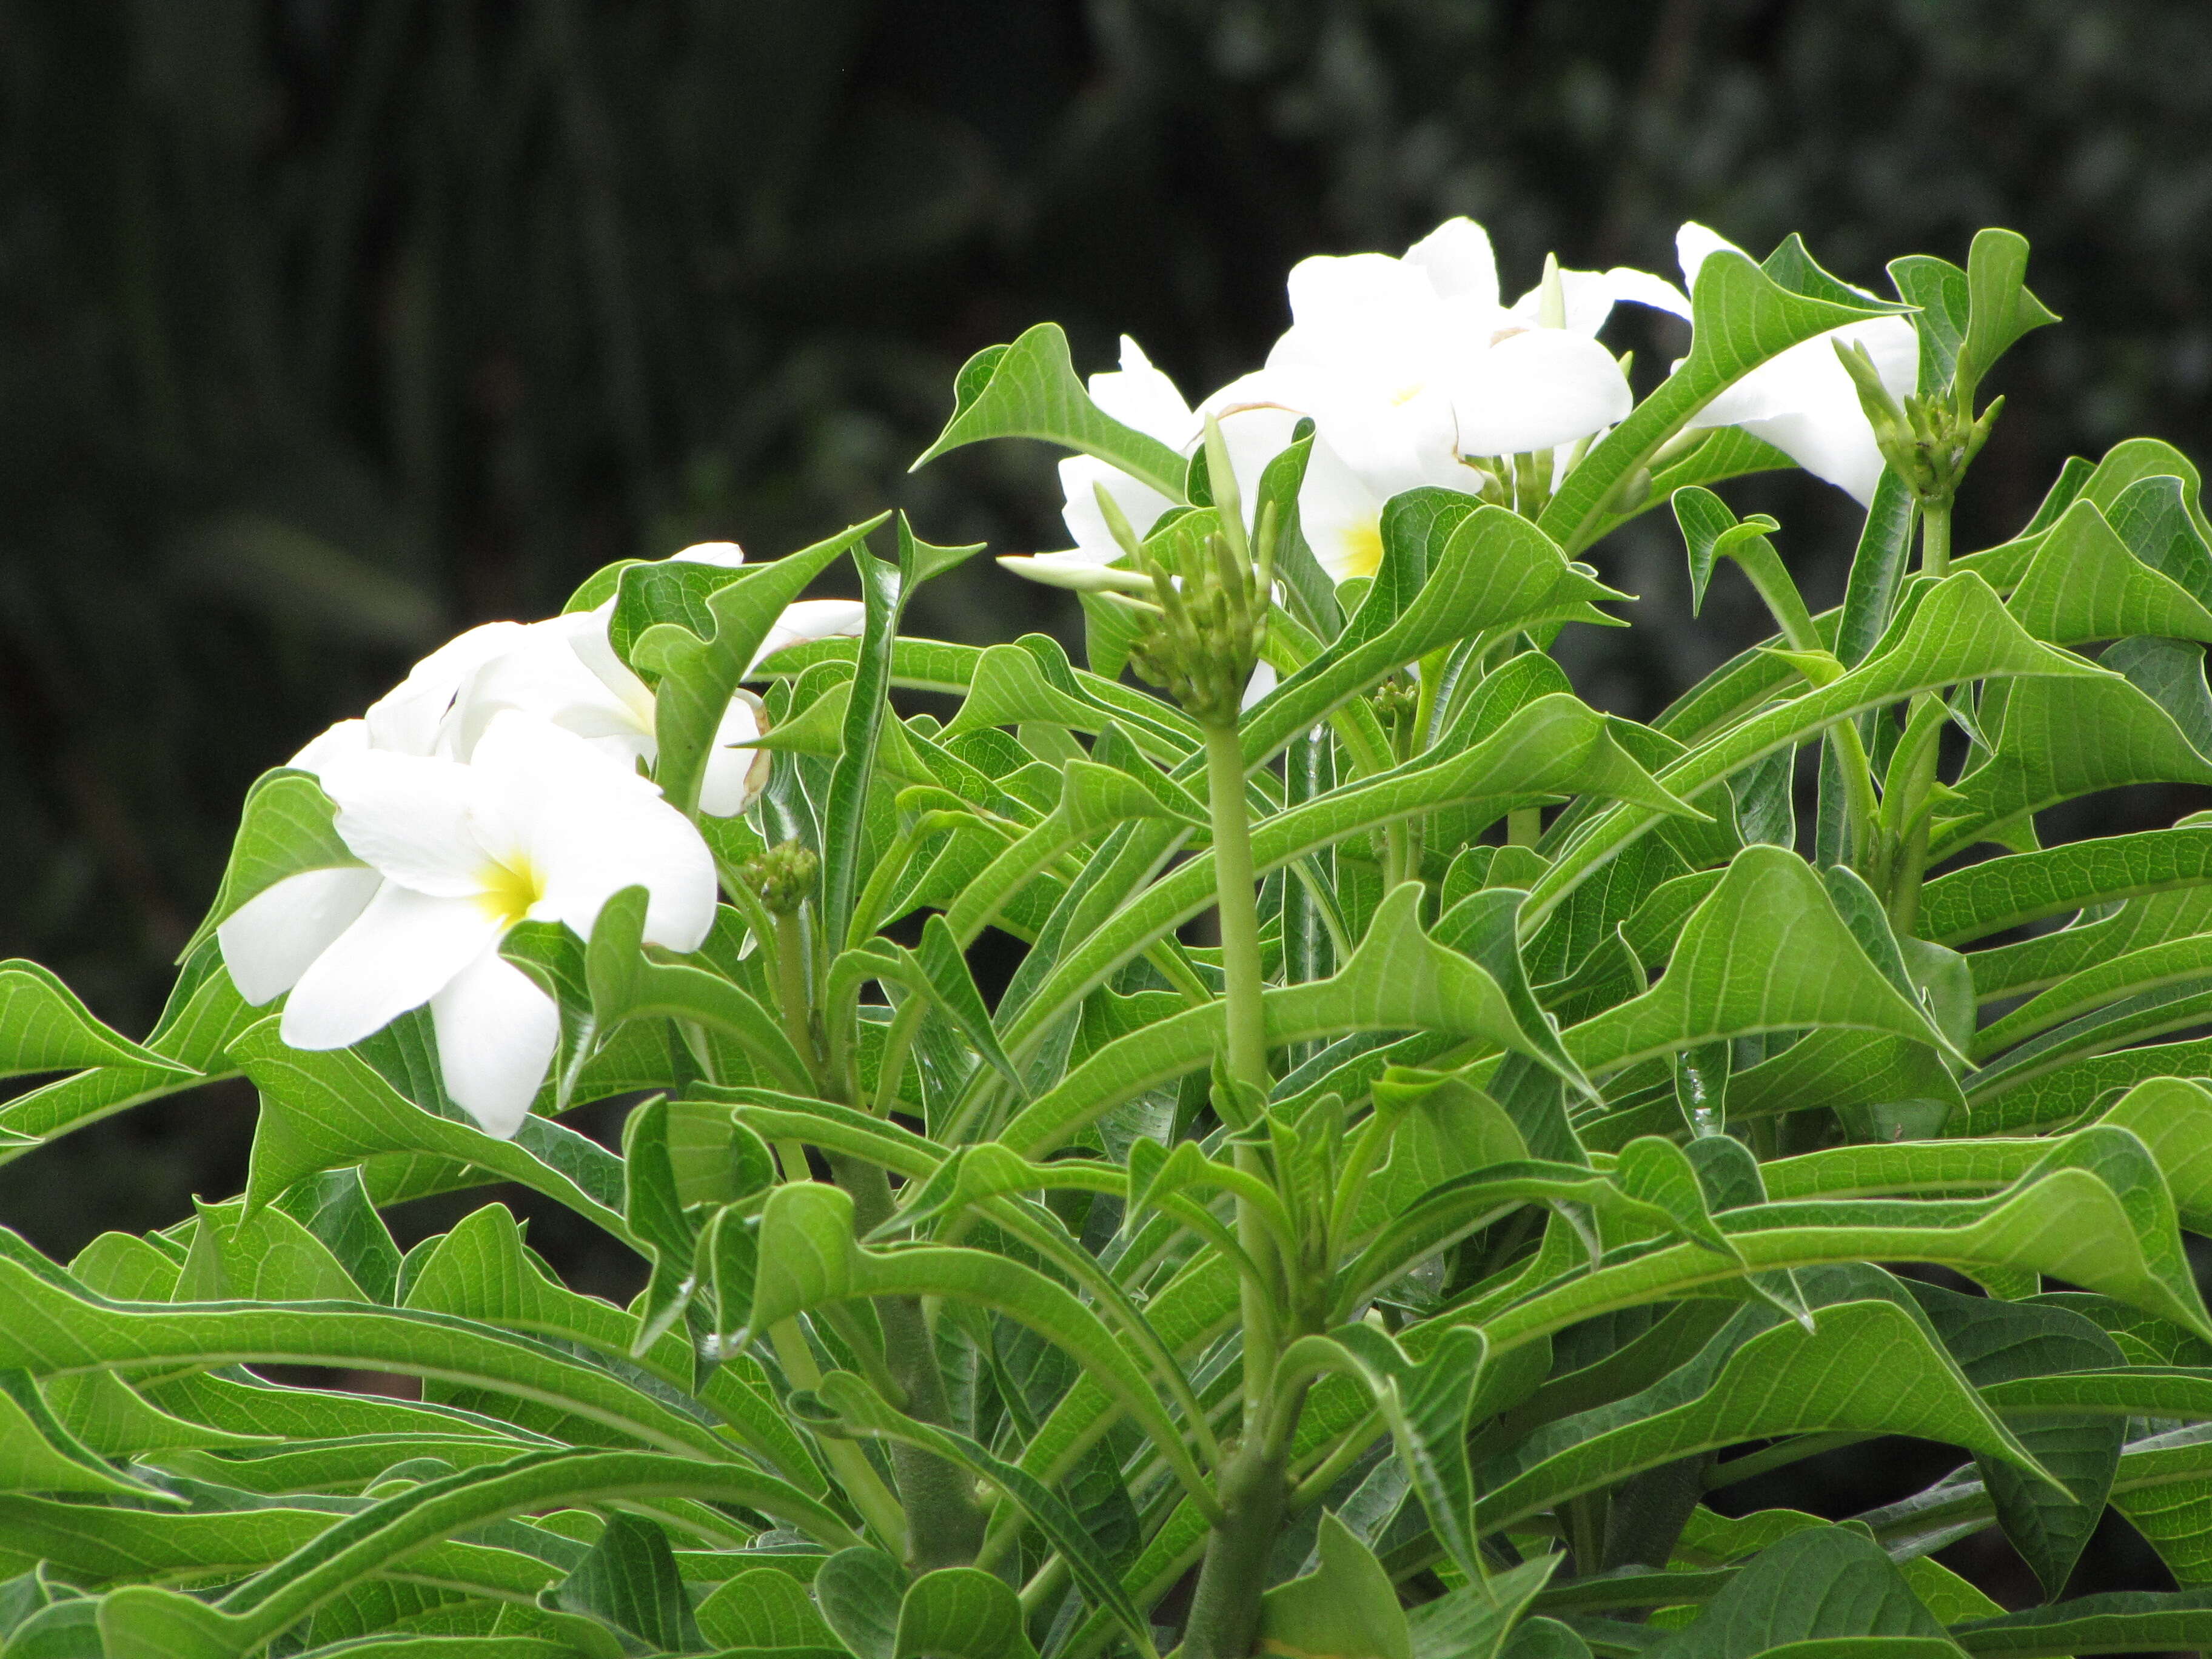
x=794, y=1002
x=1225, y=1616
x=945, y=1524
x=1235, y=887
x=1912, y=855
x=1224, y=1609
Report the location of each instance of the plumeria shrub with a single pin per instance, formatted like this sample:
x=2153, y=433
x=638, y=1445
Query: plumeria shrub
x=1438, y=1140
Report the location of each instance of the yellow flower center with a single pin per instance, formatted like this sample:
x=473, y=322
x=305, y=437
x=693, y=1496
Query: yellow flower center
x=509, y=891
x=1360, y=552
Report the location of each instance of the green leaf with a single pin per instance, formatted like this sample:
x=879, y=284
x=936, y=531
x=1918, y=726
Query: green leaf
x=287, y=827
x=655, y=1218
x=44, y=1028
x=960, y=1612
x=1823, y=1582
x=2084, y=584
x=1866, y=1367
x=1029, y=389
x=1997, y=1342
x=1346, y=1609
x=696, y=668
x=860, y=1590
x=629, y=1580
x=1399, y=979
x=263, y=1257
x=2170, y=673
x=335, y=1208
x=1494, y=572
x=809, y=1258
x=1958, y=632
x=1940, y=290
x=1555, y=745
x=844, y=812
x=329, y=1110
x=2001, y=308
x=762, y=1608
x=628, y=985
x=1766, y=951
x=1877, y=573
x=856, y=1408
x=1742, y=316
x=2005, y=892
x=37, y=1454
x=2060, y=741
x=1484, y=1621
x=2176, y=963
x=64, y=1330
x=2124, y=1621
x=141, y=1619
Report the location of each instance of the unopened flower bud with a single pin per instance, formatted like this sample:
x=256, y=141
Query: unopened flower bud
x=783, y=876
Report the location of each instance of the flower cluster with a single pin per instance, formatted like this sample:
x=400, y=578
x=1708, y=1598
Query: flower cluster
x=1414, y=372
x=502, y=780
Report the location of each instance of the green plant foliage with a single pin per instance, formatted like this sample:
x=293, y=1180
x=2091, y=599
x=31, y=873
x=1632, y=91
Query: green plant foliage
x=1555, y=1133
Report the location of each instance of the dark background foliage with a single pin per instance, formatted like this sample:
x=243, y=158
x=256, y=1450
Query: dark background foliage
x=328, y=327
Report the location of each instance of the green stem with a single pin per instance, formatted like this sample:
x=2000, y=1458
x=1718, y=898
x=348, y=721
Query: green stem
x=1225, y=1617
x=1935, y=539
x=1771, y=578
x=944, y=1524
x=795, y=1002
x=1224, y=1609
x=879, y=1511
x=1236, y=902
x=1912, y=852
x=1523, y=825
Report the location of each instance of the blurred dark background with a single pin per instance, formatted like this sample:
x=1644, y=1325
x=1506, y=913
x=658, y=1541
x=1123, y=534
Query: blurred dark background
x=328, y=327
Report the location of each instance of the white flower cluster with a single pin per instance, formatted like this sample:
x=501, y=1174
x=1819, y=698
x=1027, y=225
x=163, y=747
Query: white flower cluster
x=1413, y=371
x=499, y=783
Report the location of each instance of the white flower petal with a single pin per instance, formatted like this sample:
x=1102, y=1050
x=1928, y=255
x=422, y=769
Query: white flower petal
x=402, y=949
x=735, y=777
x=1642, y=288
x=561, y=670
x=1080, y=476
x=346, y=738
x=269, y=941
x=1140, y=396
x=406, y=719
x=584, y=829
x=1841, y=451
x=1533, y=390
x=1263, y=681
x=408, y=817
x=1805, y=403
x=497, y=1033
x=807, y=620
x=729, y=554
x=1694, y=244
x=1355, y=293
x=1340, y=516
x=1459, y=261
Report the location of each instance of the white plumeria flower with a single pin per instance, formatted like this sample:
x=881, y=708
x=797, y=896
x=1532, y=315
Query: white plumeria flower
x=268, y=942
x=1803, y=401
x=1410, y=366
x=562, y=671
x=539, y=826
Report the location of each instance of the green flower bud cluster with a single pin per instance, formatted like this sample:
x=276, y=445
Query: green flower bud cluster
x=1929, y=439
x=784, y=877
x=1205, y=621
